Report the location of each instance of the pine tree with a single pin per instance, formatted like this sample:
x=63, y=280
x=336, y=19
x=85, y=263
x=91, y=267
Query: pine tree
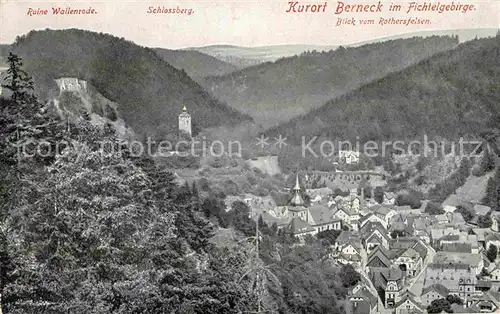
x=492, y=252
x=18, y=81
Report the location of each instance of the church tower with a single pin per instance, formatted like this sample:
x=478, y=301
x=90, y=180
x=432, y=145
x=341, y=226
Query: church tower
x=297, y=198
x=185, y=122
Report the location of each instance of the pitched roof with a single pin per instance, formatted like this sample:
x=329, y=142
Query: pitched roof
x=481, y=233
x=450, y=237
x=493, y=236
x=381, y=254
x=299, y=226
x=410, y=252
x=455, y=218
x=365, y=294
x=382, y=210
x=481, y=210
x=457, y=247
x=321, y=214
x=363, y=220
x=412, y=300
x=452, y=200
x=483, y=284
x=370, y=227
x=457, y=258
x=439, y=288
x=397, y=226
x=348, y=237
x=421, y=249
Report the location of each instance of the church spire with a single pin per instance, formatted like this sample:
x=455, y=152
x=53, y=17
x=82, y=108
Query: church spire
x=297, y=185
x=297, y=198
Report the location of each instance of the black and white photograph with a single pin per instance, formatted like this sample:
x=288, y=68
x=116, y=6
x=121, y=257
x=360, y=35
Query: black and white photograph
x=224, y=157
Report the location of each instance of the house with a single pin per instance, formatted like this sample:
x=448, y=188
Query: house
x=455, y=219
x=379, y=258
x=374, y=240
x=481, y=234
x=410, y=261
x=385, y=213
x=441, y=219
x=348, y=243
x=495, y=273
x=374, y=234
x=395, y=283
x=423, y=235
x=462, y=242
x=438, y=232
x=486, y=302
x=371, y=217
x=389, y=198
x=451, y=203
x=352, y=259
x=474, y=261
x=458, y=278
x=408, y=304
x=342, y=214
x=361, y=301
x=322, y=218
x=481, y=210
x=433, y=292
x=348, y=215
x=355, y=204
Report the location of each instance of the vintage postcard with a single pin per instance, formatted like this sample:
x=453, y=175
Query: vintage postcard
x=249, y=156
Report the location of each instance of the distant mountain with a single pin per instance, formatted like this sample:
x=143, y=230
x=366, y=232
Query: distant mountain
x=463, y=35
x=250, y=56
x=452, y=94
x=151, y=92
x=277, y=91
x=196, y=64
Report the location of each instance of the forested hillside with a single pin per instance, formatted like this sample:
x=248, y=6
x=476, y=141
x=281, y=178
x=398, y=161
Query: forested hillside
x=274, y=92
x=448, y=95
x=150, y=91
x=196, y=64
x=91, y=230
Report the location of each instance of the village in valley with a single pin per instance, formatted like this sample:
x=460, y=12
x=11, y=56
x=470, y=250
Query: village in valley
x=413, y=255
x=408, y=258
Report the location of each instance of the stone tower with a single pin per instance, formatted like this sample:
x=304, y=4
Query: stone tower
x=185, y=122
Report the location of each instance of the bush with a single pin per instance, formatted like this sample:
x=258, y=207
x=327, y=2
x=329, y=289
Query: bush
x=434, y=209
x=203, y=184
x=261, y=191
x=217, y=163
x=413, y=199
x=230, y=187
x=233, y=163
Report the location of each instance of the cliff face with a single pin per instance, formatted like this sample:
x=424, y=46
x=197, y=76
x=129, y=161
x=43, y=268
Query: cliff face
x=79, y=100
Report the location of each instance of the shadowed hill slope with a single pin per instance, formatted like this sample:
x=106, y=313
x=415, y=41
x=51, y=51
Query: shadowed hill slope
x=150, y=91
x=275, y=92
x=449, y=95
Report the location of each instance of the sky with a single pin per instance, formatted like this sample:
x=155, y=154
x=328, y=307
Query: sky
x=243, y=23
